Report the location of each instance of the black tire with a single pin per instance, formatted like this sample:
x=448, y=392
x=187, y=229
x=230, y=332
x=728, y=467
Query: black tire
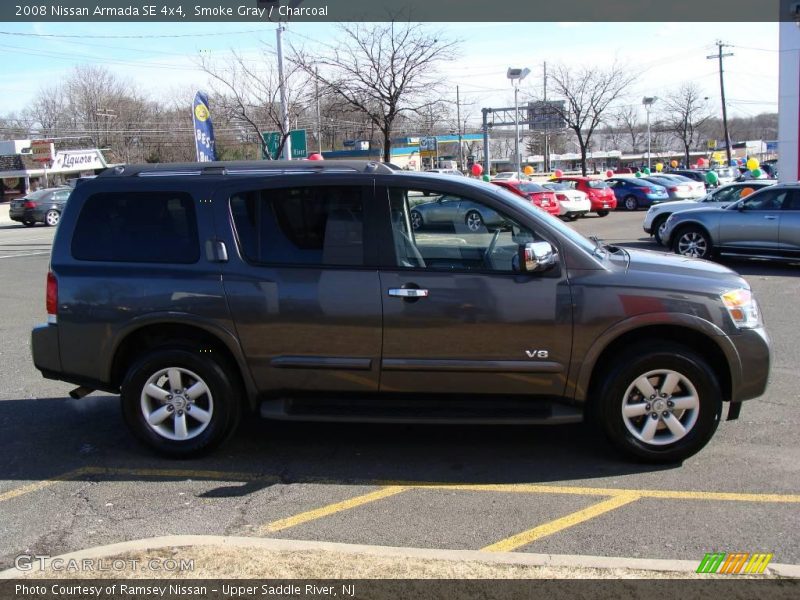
x=52, y=217
x=692, y=241
x=602, y=213
x=416, y=220
x=224, y=396
x=474, y=221
x=572, y=217
x=29, y=223
x=657, y=223
x=630, y=203
x=641, y=360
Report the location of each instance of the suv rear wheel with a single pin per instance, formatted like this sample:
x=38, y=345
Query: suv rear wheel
x=660, y=405
x=179, y=402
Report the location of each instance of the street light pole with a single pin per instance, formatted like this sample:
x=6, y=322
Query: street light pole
x=648, y=101
x=287, y=146
x=516, y=76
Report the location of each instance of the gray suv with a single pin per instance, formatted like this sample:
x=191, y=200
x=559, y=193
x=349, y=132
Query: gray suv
x=202, y=292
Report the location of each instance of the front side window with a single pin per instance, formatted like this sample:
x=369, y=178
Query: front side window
x=151, y=227
x=767, y=200
x=453, y=233
x=301, y=225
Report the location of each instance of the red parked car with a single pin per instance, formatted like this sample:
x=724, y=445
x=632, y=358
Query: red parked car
x=541, y=197
x=601, y=196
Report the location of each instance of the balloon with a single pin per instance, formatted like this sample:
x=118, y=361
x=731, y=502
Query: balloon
x=486, y=178
x=528, y=170
x=673, y=164
x=756, y=173
x=712, y=178
x=733, y=162
x=476, y=169
x=752, y=164
x=701, y=162
x=646, y=170
x=315, y=156
x=558, y=173
x=746, y=192
x=609, y=173
x=638, y=173
x=659, y=167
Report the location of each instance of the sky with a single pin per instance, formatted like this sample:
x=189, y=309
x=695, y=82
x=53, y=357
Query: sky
x=665, y=55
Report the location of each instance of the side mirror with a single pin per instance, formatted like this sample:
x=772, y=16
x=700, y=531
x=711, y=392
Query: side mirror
x=536, y=257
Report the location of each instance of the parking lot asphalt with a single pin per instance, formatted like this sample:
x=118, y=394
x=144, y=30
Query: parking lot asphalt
x=72, y=477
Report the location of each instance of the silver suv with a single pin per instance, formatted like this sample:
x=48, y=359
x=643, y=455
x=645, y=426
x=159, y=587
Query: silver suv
x=656, y=217
x=765, y=224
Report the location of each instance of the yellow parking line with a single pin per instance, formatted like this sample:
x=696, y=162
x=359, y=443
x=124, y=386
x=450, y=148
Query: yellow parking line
x=531, y=535
x=40, y=485
x=180, y=473
x=524, y=488
x=330, y=509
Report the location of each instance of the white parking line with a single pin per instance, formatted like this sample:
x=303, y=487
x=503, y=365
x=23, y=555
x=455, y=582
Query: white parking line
x=25, y=254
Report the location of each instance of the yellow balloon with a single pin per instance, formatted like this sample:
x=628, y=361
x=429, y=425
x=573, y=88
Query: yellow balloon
x=659, y=167
x=528, y=170
x=673, y=164
x=752, y=163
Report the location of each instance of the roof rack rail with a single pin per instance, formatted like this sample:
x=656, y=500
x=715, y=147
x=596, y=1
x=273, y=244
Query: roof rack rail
x=246, y=167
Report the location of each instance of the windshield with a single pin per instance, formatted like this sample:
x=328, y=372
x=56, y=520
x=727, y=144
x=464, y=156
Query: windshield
x=597, y=184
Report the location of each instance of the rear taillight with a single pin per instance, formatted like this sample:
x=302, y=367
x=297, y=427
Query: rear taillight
x=29, y=204
x=52, y=297
x=673, y=189
x=562, y=197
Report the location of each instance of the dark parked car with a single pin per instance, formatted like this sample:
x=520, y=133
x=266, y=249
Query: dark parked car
x=764, y=224
x=41, y=206
x=214, y=290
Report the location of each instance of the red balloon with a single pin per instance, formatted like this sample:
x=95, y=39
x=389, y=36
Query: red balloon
x=558, y=173
x=609, y=173
x=701, y=162
x=476, y=170
x=315, y=156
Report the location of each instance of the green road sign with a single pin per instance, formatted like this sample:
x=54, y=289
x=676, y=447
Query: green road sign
x=298, y=141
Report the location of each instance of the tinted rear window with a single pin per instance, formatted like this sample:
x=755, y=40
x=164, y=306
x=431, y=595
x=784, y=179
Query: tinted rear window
x=152, y=227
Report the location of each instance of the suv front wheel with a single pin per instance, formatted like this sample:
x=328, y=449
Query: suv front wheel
x=180, y=402
x=660, y=405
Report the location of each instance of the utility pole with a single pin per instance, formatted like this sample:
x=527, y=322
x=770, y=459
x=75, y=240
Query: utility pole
x=720, y=56
x=546, y=158
x=287, y=146
x=319, y=118
x=460, y=163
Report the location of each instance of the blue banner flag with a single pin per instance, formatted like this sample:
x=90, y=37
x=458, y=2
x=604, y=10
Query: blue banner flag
x=203, y=129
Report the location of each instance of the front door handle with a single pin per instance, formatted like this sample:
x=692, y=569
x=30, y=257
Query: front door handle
x=408, y=293
x=216, y=251
x=770, y=217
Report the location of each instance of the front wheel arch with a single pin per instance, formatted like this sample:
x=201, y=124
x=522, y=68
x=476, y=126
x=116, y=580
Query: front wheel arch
x=692, y=225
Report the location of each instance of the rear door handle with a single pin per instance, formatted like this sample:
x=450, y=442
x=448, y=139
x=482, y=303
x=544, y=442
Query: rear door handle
x=216, y=251
x=408, y=293
x=770, y=217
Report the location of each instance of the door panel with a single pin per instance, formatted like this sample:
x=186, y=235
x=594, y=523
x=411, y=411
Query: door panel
x=757, y=225
x=306, y=308
x=473, y=325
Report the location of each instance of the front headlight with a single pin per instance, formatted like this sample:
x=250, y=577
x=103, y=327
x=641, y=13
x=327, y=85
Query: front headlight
x=742, y=308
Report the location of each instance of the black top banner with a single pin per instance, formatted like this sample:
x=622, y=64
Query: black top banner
x=441, y=11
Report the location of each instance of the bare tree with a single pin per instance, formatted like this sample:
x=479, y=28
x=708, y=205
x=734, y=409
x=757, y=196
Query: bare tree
x=588, y=93
x=247, y=91
x=382, y=70
x=685, y=113
x=626, y=119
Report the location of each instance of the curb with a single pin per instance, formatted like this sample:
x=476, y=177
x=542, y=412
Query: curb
x=508, y=558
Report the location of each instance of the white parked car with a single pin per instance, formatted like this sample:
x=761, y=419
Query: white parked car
x=511, y=176
x=721, y=197
x=573, y=203
x=455, y=172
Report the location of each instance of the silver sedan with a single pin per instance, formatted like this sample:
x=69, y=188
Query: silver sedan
x=765, y=224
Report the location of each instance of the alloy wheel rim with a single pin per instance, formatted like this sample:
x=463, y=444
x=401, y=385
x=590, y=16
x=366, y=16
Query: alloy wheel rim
x=630, y=204
x=474, y=222
x=660, y=407
x=416, y=220
x=52, y=218
x=692, y=244
x=176, y=404
x=661, y=229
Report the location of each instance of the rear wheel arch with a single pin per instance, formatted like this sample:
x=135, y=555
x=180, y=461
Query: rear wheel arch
x=177, y=335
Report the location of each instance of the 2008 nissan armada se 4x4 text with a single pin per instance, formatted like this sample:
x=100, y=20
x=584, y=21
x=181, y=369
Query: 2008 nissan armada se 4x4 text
x=201, y=292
